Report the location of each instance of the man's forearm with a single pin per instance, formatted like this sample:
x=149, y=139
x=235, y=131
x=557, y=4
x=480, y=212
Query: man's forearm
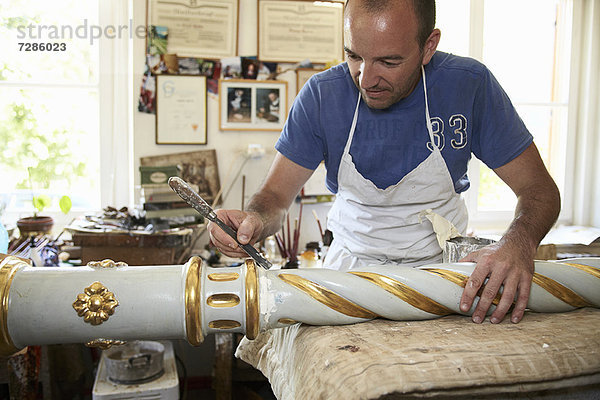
x=271, y=202
x=538, y=199
x=535, y=214
x=270, y=209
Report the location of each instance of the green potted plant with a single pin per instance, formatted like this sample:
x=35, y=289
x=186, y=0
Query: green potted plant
x=39, y=224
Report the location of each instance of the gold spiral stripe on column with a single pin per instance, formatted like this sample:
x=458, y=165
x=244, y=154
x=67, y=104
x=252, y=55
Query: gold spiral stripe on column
x=405, y=293
x=559, y=291
x=586, y=268
x=8, y=268
x=454, y=277
x=460, y=280
x=193, y=323
x=327, y=297
x=252, y=310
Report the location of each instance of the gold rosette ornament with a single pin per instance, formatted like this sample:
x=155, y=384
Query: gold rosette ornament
x=96, y=304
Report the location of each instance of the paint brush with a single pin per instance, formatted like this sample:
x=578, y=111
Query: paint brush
x=319, y=224
x=281, y=246
x=289, y=237
x=299, y=225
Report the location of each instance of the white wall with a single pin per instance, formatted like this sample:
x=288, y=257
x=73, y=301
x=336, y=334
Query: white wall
x=230, y=145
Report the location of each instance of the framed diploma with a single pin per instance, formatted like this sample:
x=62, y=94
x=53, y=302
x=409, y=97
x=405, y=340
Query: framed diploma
x=180, y=109
x=293, y=31
x=197, y=28
x=249, y=105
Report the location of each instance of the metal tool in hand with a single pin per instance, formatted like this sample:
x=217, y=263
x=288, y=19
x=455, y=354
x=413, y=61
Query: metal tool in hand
x=185, y=191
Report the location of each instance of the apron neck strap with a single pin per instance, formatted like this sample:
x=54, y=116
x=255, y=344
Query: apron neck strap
x=427, y=117
x=353, y=127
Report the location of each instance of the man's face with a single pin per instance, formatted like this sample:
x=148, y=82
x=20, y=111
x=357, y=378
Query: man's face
x=382, y=52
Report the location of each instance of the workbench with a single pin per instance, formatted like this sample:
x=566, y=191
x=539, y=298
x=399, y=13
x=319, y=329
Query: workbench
x=543, y=356
x=137, y=249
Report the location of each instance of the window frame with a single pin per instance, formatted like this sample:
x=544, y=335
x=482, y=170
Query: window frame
x=497, y=221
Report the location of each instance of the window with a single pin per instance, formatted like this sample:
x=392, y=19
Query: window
x=527, y=46
x=49, y=107
x=55, y=106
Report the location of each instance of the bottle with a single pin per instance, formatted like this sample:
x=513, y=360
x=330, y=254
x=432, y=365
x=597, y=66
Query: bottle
x=271, y=250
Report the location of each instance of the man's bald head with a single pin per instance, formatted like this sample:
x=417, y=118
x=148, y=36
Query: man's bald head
x=424, y=11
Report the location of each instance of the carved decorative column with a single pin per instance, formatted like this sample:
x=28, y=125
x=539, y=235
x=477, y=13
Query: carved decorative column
x=107, y=303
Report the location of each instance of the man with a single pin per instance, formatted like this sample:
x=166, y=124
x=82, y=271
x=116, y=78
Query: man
x=396, y=125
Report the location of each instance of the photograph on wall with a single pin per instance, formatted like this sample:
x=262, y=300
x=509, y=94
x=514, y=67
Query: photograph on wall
x=268, y=109
x=231, y=67
x=207, y=68
x=249, y=105
x=157, y=40
x=197, y=168
x=147, y=98
x=250, y=68
x=189, y=65
x=239, y=104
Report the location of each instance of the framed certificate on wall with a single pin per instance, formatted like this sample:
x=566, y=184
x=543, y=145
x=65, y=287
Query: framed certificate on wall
x=293, y=31
x=197, y=28
x=180, y=109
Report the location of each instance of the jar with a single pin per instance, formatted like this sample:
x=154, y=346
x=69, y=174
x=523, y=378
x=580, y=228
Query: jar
x=310, y=257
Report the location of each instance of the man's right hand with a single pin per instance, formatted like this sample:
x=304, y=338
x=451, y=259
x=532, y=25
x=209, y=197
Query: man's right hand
x=248, y=225
x=266, y=209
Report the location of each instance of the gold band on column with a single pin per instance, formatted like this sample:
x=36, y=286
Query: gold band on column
x=252, y=313
x=8, y=267
x=193, y=324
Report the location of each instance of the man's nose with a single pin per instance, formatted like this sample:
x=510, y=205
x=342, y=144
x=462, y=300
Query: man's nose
x=368, y=76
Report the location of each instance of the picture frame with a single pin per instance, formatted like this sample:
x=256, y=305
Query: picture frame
x=197, y=167
x=249, y=105
x=215, y=26
x=303, y=75
x=315, y=34
x=180, y=109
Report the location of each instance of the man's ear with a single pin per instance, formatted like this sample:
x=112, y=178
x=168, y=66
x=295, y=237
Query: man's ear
x=431, y=45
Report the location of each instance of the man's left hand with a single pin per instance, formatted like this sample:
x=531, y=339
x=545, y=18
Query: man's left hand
x=505, y=265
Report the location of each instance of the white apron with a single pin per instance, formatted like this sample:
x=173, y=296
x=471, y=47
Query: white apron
x=382, y=226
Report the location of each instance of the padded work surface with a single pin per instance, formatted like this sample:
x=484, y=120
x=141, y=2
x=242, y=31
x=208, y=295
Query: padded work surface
x=450, y=356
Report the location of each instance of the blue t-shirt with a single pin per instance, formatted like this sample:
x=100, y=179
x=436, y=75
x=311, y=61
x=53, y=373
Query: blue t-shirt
x=470, y=113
